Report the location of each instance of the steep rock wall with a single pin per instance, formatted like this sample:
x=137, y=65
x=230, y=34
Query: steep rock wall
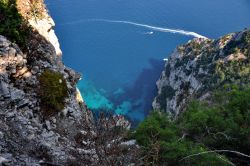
x=197, y=68
x=26, y=136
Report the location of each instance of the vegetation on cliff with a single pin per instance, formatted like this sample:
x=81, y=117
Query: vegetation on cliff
x=11, y=22
x=208, y=133
x=52, y=92
x=14, y=16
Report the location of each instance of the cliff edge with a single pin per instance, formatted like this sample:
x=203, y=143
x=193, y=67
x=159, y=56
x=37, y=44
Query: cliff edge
x=196, y=69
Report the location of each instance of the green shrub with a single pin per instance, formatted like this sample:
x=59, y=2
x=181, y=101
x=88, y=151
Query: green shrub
x=11, y=23
x=52, y=92
x=221, y=124
x=157, y=126
x=163, y=144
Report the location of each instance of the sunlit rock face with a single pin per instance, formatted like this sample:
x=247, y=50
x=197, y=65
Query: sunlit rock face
x=36, y=14
x=45, y=28
x=197, y=68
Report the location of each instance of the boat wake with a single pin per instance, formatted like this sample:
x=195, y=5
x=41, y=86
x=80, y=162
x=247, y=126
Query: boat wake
x=155, y=28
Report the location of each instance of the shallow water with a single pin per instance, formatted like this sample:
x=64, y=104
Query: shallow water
x=121, y=61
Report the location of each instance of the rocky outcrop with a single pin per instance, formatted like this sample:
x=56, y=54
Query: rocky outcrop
x=197, y=68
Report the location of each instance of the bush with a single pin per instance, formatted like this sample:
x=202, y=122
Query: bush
x=164, y=144
x=221, y=124
x=52, y=92
x=11, y=23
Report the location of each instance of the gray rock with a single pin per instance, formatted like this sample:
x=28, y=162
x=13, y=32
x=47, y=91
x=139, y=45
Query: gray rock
x=10, y=115
x=12, y=51
x=36, y=69
x=4, y=161
x=4, y=90
x=17, y=94
x=47, y=122
x=70, y=110
x=1, y=135
x=23, y=103
x=13, y=71
x=4, y=42
x=4, y=53
x=54, y=120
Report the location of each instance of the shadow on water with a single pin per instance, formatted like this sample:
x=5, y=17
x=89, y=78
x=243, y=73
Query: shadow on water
x=136, y=100
x=133, y=101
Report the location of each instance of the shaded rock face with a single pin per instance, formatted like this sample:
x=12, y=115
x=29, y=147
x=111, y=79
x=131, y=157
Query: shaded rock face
x=197, y=68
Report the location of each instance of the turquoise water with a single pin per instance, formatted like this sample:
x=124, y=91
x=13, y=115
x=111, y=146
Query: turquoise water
x=119, y=45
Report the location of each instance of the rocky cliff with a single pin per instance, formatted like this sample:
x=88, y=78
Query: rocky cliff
x=43, y=118
x=27, y=137
x=197, y=68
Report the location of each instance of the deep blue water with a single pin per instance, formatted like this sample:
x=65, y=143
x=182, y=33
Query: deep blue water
x=121, y=62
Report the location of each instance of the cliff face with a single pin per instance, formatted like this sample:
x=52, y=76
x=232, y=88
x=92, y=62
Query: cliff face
x=197, y=68
x=26, y=136
x=43, y=118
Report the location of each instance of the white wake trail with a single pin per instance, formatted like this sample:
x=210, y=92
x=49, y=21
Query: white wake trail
x=155, y=28
x=160, y=29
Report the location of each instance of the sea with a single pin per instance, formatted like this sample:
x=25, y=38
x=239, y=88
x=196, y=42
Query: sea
x=119, y=46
